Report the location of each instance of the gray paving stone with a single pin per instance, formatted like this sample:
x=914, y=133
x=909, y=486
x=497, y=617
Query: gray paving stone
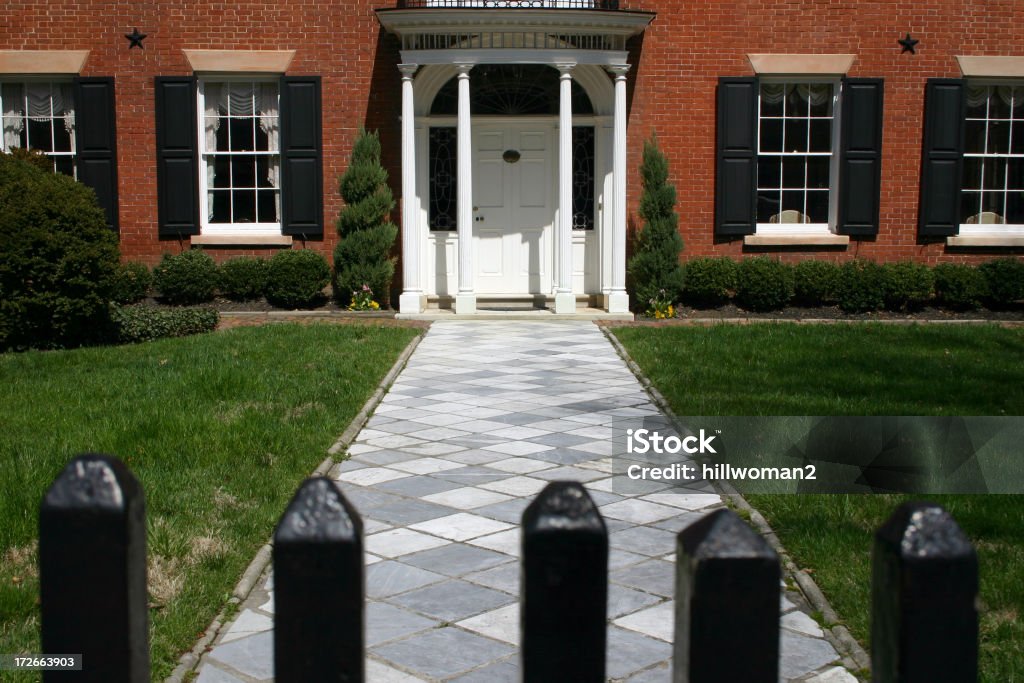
x=629, y=652
x=455, y=559
x=384, y=457
x=408, y=511
x=662, y=673
x=386, y=622
x=443, y=653
x=800, y=655
x=563, y=456
x=452, y=600
x=652, y=576
x=210, y=674
x=252, y=656
x=623, y=600
x=390, y=578
x=417, y=487
x=645, y=540
x=504, y=578
x=364, y=499
x=506, y=671
x=510, y=511
x=472, y=475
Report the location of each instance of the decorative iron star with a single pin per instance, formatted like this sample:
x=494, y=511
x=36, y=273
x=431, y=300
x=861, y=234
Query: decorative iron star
x=136, y=39
x=909, y=44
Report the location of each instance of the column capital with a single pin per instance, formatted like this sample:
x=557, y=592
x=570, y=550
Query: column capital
x=408, y=70
x=619, y=70
x=464, y=69
x=565, y=69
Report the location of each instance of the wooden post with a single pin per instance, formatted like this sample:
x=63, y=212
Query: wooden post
x=318, y=588
x=565, y=587
x=727, y=603
x=92, y=571
x=924, y=588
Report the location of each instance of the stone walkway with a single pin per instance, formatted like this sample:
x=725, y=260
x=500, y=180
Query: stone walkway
x=484, y=415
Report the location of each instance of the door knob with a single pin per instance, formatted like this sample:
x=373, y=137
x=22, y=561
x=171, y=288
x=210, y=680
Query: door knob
x=478, y=218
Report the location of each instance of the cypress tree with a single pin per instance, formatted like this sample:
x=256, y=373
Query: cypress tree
x=654, y=265
x=363, y=256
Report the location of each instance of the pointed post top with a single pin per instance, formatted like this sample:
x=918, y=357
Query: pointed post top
x=563, y=506
x=95, y=482
x=722, y=534
x=924, y=530
x=318, y=512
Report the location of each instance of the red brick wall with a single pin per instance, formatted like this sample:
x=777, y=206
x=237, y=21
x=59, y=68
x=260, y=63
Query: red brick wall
x=677, y=63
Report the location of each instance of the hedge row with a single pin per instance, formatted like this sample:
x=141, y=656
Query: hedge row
x=141, y=323
x=858, y=286
x=291, y=279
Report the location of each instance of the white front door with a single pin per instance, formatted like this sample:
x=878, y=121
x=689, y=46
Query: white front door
x=513, y=209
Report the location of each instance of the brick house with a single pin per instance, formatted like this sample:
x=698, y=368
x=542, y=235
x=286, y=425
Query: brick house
x=803, y=129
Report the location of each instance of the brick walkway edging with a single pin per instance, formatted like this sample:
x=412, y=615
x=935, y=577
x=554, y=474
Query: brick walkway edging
x=261, y=561
x=835, y=632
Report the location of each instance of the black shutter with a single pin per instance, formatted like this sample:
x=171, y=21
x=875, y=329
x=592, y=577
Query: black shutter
x=176, y=172
x=860, y=156
x=942, y=158
x=301, y=157
x=96, y=141
x=736, y=181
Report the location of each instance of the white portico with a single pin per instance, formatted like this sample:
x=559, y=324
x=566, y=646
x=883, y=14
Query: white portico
x=513, y=154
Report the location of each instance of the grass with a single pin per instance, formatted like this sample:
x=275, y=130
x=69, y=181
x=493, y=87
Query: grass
x=786, y=369
x=219, y=428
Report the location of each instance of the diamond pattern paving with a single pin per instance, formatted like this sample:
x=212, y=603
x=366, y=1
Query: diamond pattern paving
x=482, y=417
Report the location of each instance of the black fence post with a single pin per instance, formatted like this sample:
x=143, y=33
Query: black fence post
x=92, y=571
x=318, y=588
x=924, y=586
x=727, y=603
x=565, y=587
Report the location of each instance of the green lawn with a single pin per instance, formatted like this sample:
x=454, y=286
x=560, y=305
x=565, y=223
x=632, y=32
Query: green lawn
x=220, y=429
x=786, y=369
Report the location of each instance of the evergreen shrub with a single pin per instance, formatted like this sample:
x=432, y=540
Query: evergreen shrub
x=908, y=285
x=709, y=281
x=862, y=286
x=131, y=283
x=815, y=282
x=188, y=278
x=296, y=278
x=243, y=278
x=959, y=286
x=763, y=284
x=1005, y=280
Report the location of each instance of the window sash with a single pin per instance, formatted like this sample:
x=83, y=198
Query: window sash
x=21, y=119
x=992, y=181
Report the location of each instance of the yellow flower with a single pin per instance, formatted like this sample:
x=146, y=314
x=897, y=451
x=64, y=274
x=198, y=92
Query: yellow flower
x=374, y=305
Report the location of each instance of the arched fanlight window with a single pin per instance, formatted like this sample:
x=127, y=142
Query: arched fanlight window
x=510, y=90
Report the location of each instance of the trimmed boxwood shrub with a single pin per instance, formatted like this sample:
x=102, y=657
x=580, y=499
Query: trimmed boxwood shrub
x=763, y=284
x=144, y=323
x=815, y=282
x=243, y=278
x=296, y=278
x=959, y=286
x=709, y=281
x=861, y=286
x=57, y=259
x=190, y=277
x=908, y=285
x=1005, y=279
x=132, y=281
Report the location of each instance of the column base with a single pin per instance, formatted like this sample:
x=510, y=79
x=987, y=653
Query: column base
x=565, y=303
x=411, y=302
x=618, y=302
x=465, y=304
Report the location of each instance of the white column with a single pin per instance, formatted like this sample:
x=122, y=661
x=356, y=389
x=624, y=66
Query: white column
x=565, y=301
x=465, y=300
x=618, y=299
x=411, y=300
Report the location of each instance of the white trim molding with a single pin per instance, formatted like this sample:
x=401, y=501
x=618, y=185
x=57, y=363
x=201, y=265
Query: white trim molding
x=241, y=61
x=241, y=240
x=994, y=239
x=991, y=67
x=826, y=239
x=42, y=61
x=805, y=65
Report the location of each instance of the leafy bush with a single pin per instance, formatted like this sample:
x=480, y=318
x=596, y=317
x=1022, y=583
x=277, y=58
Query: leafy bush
x=363, y=256
x=131, y=283
x=763, y=284
x=709, y=281
x=861, y=286
x=243, y=278
x=296, y=278
x=654, y=268
x=190, y=277
x=908, y=285
x=144, y=323
x=57, y=258
x=815, y=282
x=1005, y=279
x=959, y=286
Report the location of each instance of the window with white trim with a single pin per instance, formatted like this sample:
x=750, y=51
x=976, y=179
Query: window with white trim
x=992, y=184
x=240, y=167
x=796, y=137
x=40, y=115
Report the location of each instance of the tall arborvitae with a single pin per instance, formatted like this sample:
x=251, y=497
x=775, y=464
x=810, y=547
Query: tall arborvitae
x=654, y=265
x=364, y=254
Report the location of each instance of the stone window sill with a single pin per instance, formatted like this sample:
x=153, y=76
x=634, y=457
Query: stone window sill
x=797, y=240
x=990, y=240
x=242, y=240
